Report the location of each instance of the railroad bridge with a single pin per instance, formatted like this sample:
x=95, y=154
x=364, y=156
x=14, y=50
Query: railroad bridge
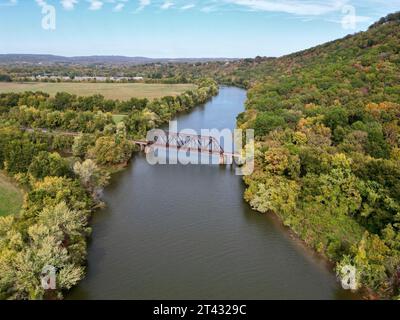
x=189, y=143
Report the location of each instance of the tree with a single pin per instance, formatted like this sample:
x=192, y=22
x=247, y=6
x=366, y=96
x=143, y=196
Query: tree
x=63, y=100
x=81, y=144
x=91, y=176
x=336, y=116
x=49, y=164
x=53, y=190
x=57, y=240
x=376, y=145
x=120, y=132
x=5, y=78
x=108, y=151
x=19, y=154
x=371, y=256
x=266, y=122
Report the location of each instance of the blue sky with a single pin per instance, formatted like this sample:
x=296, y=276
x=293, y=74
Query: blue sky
x=182, y=28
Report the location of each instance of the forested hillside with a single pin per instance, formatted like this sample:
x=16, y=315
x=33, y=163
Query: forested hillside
x=328, y=149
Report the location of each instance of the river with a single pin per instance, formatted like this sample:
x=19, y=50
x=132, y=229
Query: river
x=184, y=232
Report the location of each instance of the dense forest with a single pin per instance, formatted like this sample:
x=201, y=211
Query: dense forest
x=63, y=176
x=328, y=150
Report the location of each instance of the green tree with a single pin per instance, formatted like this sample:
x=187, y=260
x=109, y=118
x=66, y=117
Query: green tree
x=92, y=178
x=81, y=144
x=49, y=164
x=266, y=122
x=109, y=151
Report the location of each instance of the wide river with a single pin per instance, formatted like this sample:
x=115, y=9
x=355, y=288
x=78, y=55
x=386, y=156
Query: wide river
x=185, y=232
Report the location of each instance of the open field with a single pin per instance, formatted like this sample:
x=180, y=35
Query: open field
x=10, y=197
x=121, y=91
x=118, y=118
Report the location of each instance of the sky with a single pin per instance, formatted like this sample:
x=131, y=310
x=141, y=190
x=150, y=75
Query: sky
x=181, y=28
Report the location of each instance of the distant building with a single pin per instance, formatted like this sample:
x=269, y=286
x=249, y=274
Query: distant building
x=46, y=77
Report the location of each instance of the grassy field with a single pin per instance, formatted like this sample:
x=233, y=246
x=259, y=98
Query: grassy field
x=118, y=118
x=10, y=196
x=121, y=91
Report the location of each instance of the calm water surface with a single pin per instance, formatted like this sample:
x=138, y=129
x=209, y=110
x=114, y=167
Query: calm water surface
x=184, y=232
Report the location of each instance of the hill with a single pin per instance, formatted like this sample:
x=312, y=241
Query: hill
x=328, y=149
x=44, y=59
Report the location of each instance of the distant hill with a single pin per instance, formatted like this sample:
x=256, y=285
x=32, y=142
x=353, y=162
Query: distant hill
x=360, y=53
x=46, y=59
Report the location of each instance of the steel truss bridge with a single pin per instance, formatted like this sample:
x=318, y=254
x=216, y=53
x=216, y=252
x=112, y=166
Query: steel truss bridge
x=189, y=143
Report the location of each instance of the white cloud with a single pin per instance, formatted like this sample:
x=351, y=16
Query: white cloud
x=41, y=3
x=297, y=7
x=95, y=5
x=118, y=7
x=188, y=6
x=143, y=4
x=68, y=4
x=367, y=10
x=208, y=9
x=8, y=3
x=166, y=5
